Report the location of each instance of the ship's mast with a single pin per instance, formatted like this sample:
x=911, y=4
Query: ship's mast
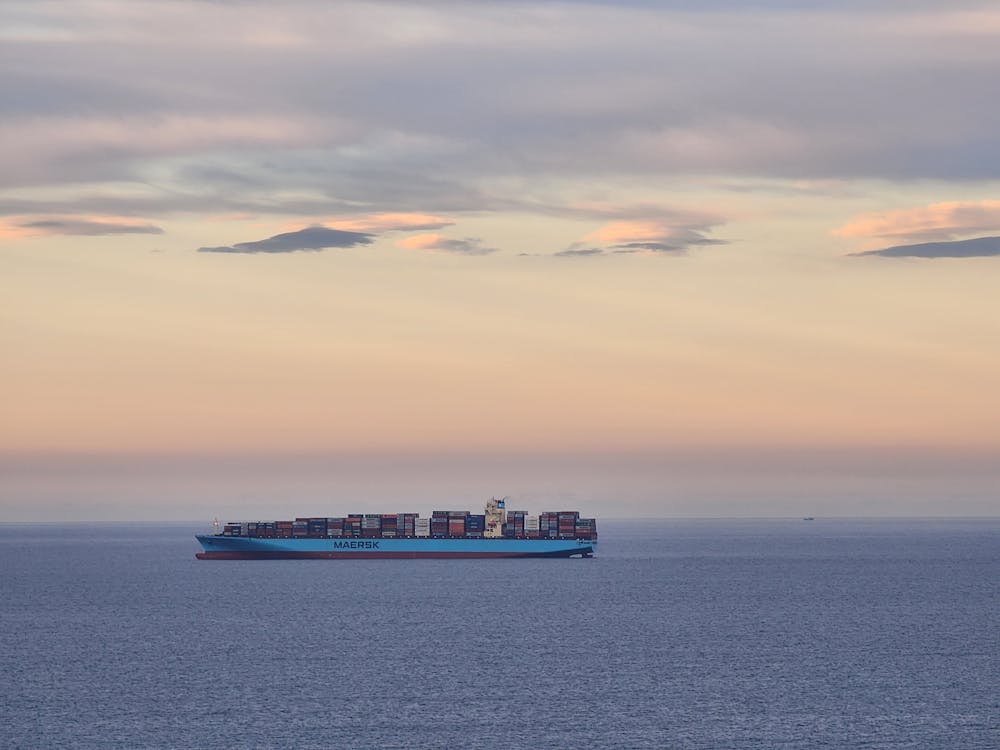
x=495, y=511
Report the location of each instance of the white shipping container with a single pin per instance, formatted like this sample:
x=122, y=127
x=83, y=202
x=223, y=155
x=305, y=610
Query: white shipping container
x=531, y=523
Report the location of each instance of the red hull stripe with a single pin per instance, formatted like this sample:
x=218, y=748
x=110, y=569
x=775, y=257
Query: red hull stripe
x=376, y=555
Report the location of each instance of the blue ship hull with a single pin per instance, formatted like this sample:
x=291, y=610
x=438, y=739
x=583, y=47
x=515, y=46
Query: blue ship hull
x=254, y=548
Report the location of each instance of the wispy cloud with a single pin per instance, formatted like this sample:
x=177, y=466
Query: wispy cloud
x=440, y=243
x=394, y=222
x=76, y=225
x=979, y=247
x=68, y=148
x=651, y=236
x=937, y=221
x=310, y=238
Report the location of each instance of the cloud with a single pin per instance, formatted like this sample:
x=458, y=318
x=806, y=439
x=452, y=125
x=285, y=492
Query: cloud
x=74, y=148
x=620, y=231
x=438, y=108
x=937, y=221
x=76, y=225
x=440, y=243
x=980, y=247
x=394, y=222
x=646, y=236
x=582, y=252
x=310, y=238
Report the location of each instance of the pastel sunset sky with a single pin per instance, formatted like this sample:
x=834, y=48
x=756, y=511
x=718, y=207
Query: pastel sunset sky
x=640, y=258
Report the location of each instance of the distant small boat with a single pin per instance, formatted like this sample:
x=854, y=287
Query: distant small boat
x=808, y=518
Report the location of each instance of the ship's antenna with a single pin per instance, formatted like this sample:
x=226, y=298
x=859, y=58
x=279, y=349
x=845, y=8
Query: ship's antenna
x=215, y=525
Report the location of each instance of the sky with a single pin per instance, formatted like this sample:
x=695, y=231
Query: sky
x=644, y=259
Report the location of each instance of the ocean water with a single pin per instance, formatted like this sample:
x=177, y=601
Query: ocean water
x=679, y=634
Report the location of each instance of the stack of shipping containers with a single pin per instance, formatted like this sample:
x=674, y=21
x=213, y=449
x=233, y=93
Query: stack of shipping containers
x=567, y=523
x=264, y=529
x=548, y=525
x=371, y=525
x=531, y=526
x=441, y=524
x=405, y=524
x=456, y=522
x=515, y=523
x=586, y=528
x=475, y=526
x=352, y=525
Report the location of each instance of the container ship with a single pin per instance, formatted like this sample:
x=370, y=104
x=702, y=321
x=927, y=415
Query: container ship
x=446, y=534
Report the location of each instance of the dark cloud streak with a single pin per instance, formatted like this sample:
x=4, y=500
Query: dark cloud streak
x=88, y=228
x=438, y=243
x=680, y=245
x=310, y=239
x=980, y=247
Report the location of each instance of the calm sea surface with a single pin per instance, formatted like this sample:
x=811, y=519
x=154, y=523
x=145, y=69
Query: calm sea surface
x=679, y=634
